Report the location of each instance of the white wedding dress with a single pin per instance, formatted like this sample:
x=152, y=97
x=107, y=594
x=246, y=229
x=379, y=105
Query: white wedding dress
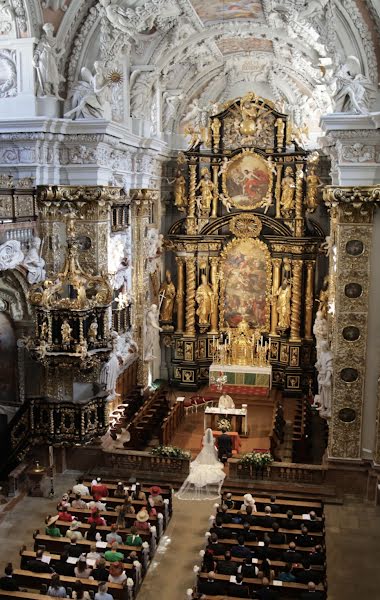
x=206, y=474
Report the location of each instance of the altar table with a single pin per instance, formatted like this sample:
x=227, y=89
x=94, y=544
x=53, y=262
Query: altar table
x=240, y=415
x=242, y=379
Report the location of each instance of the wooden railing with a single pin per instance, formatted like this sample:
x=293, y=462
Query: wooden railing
x=132, y=462
x=171, y=422
x=278, y=471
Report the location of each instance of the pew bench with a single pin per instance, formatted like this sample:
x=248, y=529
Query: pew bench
x=166, y=492
x=25, y=595
x=57, y=545
x=27, y=555
x=290, y=533
x=287, y=588
x=279, y=516
x=288, y=504
x=277, y=565
x=282, y=547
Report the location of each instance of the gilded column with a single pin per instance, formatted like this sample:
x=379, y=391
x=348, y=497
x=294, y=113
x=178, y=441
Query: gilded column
x=190, y=296
x=299, y=220
x=276, y=265
x=214, y=261
x=309, y=300
x=278, y=191
x=180, y=294
x=215, y=196
x=190, y=222
x=295, y=317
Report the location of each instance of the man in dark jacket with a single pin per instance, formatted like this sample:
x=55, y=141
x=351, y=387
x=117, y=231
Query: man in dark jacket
x=7, y=582
x=37, y=566
x=227, y=566
x=224, y=446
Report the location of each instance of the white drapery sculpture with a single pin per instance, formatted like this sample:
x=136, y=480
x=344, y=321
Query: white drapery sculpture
x=34, y=263
x=353, y=89
x=324, y=366
x=45, y=61
x=11, y=255
x=91, y=97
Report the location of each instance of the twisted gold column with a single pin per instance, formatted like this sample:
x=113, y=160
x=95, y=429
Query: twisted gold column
x=309, y=301
x=276, y=262
x=295, y=318
x=180, y=294
x=190, y=296
x=191, y=225
x=278, y=191
x=214, y=261
x=299, y=220
x=215, y=171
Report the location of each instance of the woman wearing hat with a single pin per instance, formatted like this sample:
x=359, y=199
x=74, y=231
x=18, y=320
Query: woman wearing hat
x=51, y=528
x=155, y=493
x=142, y=521
x=74, y=530
x=64, y=503
x=120, y=491
x=117, y=573
x=248, y=501
x=96, y=518
x=122, y=510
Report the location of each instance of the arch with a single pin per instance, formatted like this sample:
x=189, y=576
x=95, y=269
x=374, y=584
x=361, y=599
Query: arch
x=277, y=227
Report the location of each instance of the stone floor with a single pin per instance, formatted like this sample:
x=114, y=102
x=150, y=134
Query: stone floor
x=352, y=538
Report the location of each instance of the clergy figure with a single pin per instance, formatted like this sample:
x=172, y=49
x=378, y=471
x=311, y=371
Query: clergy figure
x=168, y=292
x=204, y=297
x=225, y=401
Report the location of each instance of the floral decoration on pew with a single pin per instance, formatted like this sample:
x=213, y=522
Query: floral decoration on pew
x=170, y=452
x=224, y=424
x=256, y=459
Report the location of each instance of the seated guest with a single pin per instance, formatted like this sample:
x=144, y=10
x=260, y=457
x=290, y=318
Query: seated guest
x=240, y=550
x=248, y=569
x=275, y=536
x=313, y=524
x=78, y=502
x=79, y=593
x=93, y=554
x=227, y=518
x=286, y=575
x=208, y=563
x=99, y=489
x=215, y=546
x=64, y=502
x=142, y=521
x=7, y=582
x=312, y=593
x=80, y=488
x=209, y=586
x=304, y=540
x=248, y=535
x=266, y=592
x=123, y=510
x=266, y=551
x=250, y=516
x=265, y=570
x=74, y=530
x=266, y=520
x=51, y=528
x=229, y=502
x=238, y=517
x=63, y=515
x=100, y=573
x=120, y=492
x=117, y=573
x=93, y=534
x=62, y=567
x=290, y=555
x=102, y=593
x=238, y=590
x=113, y=535
x=275, y=508
x=113, y=555
x=133, y=538
x=248, y=501
x=317, y=556
x=37, y=565
x=306, y=574
x=227, y=566
x=96, y=503
x=289, y=522
x=82, y=570
x=155, y=493
x=55, y=589
x=73, y=549
x=218, y=528
x=96, y=518
x=130, y=559
x=137, y=493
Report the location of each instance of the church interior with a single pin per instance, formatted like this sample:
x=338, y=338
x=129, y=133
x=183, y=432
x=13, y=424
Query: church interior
x=189, y=292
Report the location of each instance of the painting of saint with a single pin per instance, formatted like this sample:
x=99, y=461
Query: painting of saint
x=245, y=283
x=247, y=181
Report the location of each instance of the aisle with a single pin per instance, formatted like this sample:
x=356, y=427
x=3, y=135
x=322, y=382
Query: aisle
x=171, y=571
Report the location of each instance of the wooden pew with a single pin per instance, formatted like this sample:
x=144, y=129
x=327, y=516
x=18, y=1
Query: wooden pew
x=27, y=555
x=290, y=533
x=277, y=516
x=110, y=516
x=103, y=530
x=294, y=505
x=277, y=565
x=57, y=545
x=280, y=547
x=111, y=485
x=25, y=595
x=287, y=588
x=36, y=580
x=113, y=502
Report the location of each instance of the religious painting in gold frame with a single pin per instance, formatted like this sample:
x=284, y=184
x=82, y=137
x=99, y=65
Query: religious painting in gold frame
x=245, y=284
x=247, y=180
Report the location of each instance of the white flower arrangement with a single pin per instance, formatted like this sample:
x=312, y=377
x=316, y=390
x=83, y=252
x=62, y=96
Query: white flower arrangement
x=224, y=424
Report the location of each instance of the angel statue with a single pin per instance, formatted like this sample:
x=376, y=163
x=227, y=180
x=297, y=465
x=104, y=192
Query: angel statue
x=353, y=90
x=198, y=116
x=91, y=95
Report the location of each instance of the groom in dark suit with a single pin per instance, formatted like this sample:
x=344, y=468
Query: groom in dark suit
x=224, y=447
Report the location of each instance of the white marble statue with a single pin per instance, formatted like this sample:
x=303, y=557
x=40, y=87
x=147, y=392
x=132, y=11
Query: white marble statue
x=320, y=330
x=312, y=9
x=353, y=91
x=154, y=243
x=45, y=61
x=109, y=375
x=34, y=263
x=91, y=96
x=152, y=338
x=11, y=255
x=225, y=401
x=324, y=366
x=197, y=115
x=6, y=10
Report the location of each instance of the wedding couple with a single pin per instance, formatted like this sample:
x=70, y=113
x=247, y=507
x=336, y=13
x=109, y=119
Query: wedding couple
x=206, y=471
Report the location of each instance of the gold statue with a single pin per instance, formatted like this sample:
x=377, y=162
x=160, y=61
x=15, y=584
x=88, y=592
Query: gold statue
x=44, y=330
x=324, y=297
x=283, y=304
x=66, y=332
x=207, y=188
x=312, y=184
x=180, y=190
x=205, y=299
x=168, y=292
x=288, y=189
x=93, y=331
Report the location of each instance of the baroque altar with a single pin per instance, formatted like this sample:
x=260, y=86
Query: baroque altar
x=242, y=251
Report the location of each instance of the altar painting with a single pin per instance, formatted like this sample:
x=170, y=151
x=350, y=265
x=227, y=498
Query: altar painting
x=245, y=284
x=247, y=180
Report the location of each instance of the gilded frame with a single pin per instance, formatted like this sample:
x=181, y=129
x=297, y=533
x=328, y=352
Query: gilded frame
x=263, y=201
x=223, y=257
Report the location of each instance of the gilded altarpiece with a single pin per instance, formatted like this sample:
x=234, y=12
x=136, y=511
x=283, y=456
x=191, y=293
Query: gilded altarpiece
x=240, y=248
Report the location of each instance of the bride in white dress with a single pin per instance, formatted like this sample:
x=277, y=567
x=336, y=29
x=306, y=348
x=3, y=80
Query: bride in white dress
x=206, y=473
